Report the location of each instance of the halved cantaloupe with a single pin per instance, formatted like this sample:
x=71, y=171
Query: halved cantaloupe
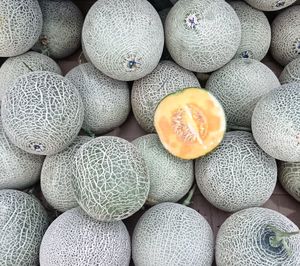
x=190, y=123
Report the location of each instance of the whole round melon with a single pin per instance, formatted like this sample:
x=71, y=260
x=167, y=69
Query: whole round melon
x=258, y=236
x=202, y=35
x=171, y=234
x=270, y=5
x=124, y=41
x=111, y=179
x=23, y=222
x=276, y=123
x=17, y=66
x=42, y=112
x=76, y=239
x=21, y=25
x=57, y=177
x=147, y=92
x=256, y=31
x=61, y=34
x=291, y=72
x=170, y=177
x=285, y=42
x=106, y=101
x=238, y=174
x=238, y=86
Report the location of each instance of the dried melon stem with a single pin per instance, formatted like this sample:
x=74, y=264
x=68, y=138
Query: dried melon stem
x=189, y=197
x=44, y=42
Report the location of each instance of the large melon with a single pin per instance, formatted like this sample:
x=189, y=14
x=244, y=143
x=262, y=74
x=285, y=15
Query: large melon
x=42, y=112
x=121, y=44
x=291, y=72
x=256, y=236
x=270, y=5
x=238, y=86
x=171, y=234
x=78, y=240
x=23, y=222
x=21, y=25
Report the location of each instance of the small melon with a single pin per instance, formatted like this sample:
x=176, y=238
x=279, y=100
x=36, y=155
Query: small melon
x=76, y=239
x=147, y=92
x=121, y=44
x=106, y=101
x=291, y=72
x=171, y=234
x=42, y=112
x=257, y=236
x=270, y=5
x=21, y=25
x=276, y=123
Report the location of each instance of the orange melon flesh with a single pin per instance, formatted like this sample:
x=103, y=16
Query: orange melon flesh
x=190, y=123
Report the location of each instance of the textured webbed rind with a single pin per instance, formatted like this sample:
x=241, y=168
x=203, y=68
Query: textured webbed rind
x=238, y=86
x=238, y=174
x=78, y=240
x=170, y=177
x=276, y=123
x=202, y=36
x=243, y=240
x=291, y=72
x=110, y=178
x=171, y=234
x=23, y=222
x=147, y=92
x=21, y=25
x=121, y=44
x=106, y=101
x=270, y=5
x=42, y=112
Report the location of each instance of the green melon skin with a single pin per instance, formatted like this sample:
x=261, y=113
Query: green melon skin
x=42, y=112
x=238, y=174
x=111, y=179
x=23, y=222
x=270, y=5
x=170, y=177
x=106, y=101
x=121, y=44
x=276, y=123
x=21, y=25
x=61, y=34
x=76, y=239
x=243, y=239
x=291, y=72
x=57, y=175
x=147, y=92
x=238, y=86
x=171, y=234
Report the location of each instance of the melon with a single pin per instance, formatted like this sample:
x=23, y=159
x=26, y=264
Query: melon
x=238, y=174
x=61, y=34
x=76, y=239
x=270, y=5
x=121, y=44
x=42, y=112
x=23, y=222
x=276, y=123
x=291, y=72
x=21, y=25
x=171, y=234
x=106, y=101
x=147, y=92
x=285, y=43
x=202, y=35
x=258, y=236
x=238, y=86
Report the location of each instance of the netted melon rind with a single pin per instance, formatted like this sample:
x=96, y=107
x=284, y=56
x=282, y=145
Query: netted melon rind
x=291, y=72
x=270, y=5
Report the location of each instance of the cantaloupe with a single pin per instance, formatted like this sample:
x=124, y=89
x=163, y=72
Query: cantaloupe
x=42, y=112
x=238, y=86
x=276, y=123
x=147, y=92
x=258, y=236
x=106, y=101
x=171, y=234
x=61, y=34
x=238, y=174
x=21, y=25
x=111, y=179
x=121, y=44
x=291, y=72
x=76, y=239
x=270, y=5
x=202, y=35
x=23, y=222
